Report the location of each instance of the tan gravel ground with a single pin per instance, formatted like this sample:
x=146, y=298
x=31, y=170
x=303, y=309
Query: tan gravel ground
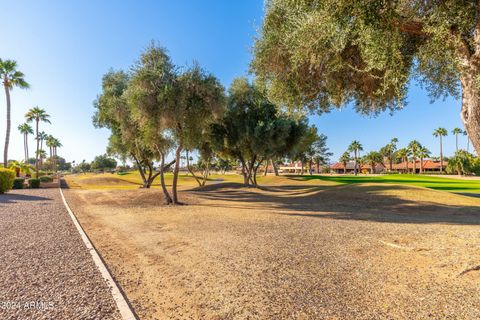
x=290, y=252
x=46, y=271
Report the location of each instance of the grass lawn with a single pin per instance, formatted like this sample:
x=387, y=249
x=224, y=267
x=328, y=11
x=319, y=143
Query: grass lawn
x=432, y=182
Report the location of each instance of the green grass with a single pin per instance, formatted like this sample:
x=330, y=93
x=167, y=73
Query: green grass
x=432, y=182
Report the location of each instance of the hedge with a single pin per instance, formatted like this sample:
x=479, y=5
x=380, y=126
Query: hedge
x=46, y=179
x=6, y=180
x=18, y=183
x=34, y=183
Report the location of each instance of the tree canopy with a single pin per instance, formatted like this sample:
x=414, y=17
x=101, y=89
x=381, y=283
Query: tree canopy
x=323, y=54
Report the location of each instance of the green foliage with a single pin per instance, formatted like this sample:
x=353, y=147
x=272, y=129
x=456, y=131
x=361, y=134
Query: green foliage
x=7, y=177
x=251, y=130
x=18, y=183
x=104, y=163
x=46, y=179
x=34, y=183
x=463, y=163
x=324, y=54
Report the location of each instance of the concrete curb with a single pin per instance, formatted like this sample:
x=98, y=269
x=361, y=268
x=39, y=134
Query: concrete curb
x=123, y=306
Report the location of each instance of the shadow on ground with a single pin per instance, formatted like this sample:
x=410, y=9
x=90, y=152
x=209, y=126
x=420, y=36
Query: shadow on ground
x=15, y=197
x=358, y=202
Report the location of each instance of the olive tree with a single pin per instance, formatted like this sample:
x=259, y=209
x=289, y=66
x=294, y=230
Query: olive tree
x=326, y=53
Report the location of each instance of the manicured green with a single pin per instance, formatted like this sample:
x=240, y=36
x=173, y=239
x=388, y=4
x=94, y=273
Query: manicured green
x=18, y=183
x=6, y=180
x=34, y=183
x=432, y=182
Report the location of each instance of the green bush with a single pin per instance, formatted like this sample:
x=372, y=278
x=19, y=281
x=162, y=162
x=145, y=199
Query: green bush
x=46, y=179
x=18, y=183
x=34, y=183
x=6, y=179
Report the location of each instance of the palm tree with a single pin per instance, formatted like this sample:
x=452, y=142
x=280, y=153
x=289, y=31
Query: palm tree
x=55, y=144
x=355, y=147
x=344, y=160
x=414, y=148
x=41, y=154
x=423, y=152
x=42, y=136
x=373, y=158
x=456, y=132
x=403, y=154
x=440, y=132
x=25, y=129
x=11, y=77
x=468, y=140
x=36, y=114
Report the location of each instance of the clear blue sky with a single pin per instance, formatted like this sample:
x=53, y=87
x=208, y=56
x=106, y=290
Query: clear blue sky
x=64, y=48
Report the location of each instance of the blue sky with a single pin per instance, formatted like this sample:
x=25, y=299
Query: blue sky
x=64, y=48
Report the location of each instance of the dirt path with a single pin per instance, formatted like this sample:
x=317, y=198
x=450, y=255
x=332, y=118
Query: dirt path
x=46, y=272
x=290, y=252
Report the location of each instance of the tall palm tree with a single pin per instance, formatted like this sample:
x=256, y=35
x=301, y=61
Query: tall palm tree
x=456, y=132
x=392, y=149
x=344, y=160
x=414, y=148
x=37, y=114
x=355, y=147
x=25, y=129
x=468, y=140
x=49, y=143
x=55, y=144
x=439, y=133
x=423, y=152
x=11, y=77
x=42, y=136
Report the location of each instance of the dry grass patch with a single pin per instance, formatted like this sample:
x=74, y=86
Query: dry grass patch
x=290, y=251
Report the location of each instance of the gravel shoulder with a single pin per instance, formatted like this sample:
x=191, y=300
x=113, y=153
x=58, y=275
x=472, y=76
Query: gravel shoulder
x=46, y=272
x=290, y=252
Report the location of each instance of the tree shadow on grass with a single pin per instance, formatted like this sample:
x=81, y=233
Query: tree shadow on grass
x=16, y=197
x=345, y=202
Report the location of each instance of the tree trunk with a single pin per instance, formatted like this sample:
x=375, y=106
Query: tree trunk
x=166, y=195
x=266, y=168
x=301, y=170
x=355, y=164
x=310, y=167
x=275, y=167
x=26, y=146
x=318, y=167
x=38, y=146
x=7, y=136
x=414, y=165
x=421, y=165
x=456, y=142
x=441, y=155
x=470, y=113
x=344, y=168
x=390, y=159
x=175, y=175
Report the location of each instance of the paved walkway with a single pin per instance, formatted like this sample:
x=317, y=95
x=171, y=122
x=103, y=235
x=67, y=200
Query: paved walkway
x=46, y=272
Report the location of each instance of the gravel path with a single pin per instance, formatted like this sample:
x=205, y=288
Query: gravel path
x=46, y=272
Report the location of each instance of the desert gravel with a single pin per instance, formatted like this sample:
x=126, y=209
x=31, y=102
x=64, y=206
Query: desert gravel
x=46, y=272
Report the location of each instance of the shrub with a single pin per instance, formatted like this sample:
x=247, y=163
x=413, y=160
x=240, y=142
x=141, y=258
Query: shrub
x=46, y=179
x=34, y=183
x=6, y=179
x=18, y=183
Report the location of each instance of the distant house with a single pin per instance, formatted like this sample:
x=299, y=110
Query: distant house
x=350, y=168
x=428, y=166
